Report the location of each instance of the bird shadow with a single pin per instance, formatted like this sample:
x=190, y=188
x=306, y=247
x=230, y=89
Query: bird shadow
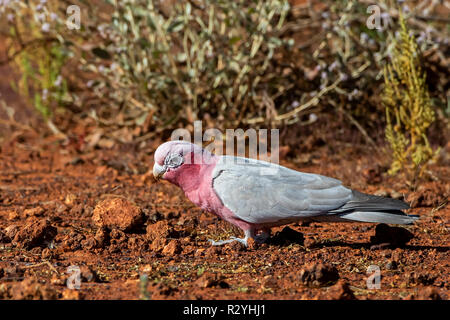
x=383, y=239
x=378, y=246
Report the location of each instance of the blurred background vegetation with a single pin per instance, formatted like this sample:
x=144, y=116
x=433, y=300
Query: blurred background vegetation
x=137, y=69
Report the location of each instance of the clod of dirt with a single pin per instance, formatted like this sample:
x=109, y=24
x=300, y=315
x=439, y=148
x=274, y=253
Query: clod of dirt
x=428, y=293
x=34, y=233
x=425, y=279
x=31, y=289
x=287, y=235
x=88, y=275
x=234, y=246
x=213, y=251
x=391, y=265
x=47, y=254
x=372, y=175
x=33, y=212
x=10, y=232
x=117, y=213
x=317, y=275
x=161, y=291
x=172, y=248
x=160, y=229
x=341, y=291
x=431, y=195
x=70, y=294
x=158, y=244
x=101, y=237
x=89, y=243
x=392, y=236
x=3, y=237
x=59, y=280
x=13, y=271
x=209, y=280
x=117, y=235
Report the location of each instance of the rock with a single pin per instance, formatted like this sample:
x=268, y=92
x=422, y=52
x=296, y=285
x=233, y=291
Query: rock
x=31, y=289
x=209, y=280
x=393, y=236
x=34, y=233
x=316, y=275
x=117, y=213
x=341, y=291
x=172, y=248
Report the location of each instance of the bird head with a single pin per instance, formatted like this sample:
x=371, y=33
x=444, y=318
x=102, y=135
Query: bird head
x=174, y=158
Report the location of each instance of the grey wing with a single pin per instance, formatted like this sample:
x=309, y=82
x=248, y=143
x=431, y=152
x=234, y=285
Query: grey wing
x=260, y=192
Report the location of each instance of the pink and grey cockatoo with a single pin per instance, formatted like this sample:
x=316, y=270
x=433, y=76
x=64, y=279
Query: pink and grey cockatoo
x=242, y=192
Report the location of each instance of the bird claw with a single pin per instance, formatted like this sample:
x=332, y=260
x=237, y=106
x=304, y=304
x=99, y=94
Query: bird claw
x=243, y=241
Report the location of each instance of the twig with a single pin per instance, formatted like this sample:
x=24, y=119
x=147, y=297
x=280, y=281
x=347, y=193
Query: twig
x=41, y=264
x=360, y=128
x=300, y=108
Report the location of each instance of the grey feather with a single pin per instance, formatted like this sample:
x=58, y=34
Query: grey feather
x=263, y=193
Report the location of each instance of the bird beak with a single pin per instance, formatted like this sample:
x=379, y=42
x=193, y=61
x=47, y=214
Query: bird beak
x=158, y=171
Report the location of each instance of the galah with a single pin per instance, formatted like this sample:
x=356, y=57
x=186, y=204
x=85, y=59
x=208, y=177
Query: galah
x=255, y=195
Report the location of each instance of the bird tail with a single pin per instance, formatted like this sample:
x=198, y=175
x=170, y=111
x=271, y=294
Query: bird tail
x=370, y=208
x=379, y=217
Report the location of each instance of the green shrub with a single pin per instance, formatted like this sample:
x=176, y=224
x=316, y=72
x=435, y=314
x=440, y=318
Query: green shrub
x=408, y=102
x=38, y=52
x=213, y=58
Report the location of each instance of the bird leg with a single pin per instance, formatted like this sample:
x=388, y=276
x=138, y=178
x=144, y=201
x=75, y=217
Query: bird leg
x=249, y=233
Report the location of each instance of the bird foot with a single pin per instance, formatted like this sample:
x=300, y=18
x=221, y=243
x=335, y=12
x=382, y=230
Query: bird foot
x=243, y=241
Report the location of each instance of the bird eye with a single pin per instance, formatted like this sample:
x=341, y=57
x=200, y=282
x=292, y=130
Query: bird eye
x=173, y=160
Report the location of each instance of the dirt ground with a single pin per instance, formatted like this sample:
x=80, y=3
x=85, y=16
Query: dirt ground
x=134, y=238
